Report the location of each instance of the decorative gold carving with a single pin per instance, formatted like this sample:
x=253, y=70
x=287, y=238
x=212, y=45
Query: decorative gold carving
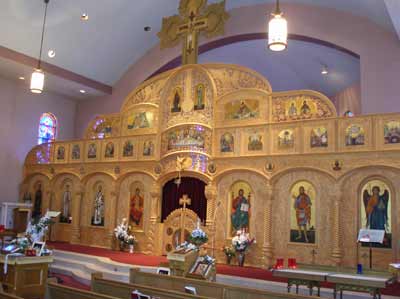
x=195, y=17
x=149, y=92
x=232, y=78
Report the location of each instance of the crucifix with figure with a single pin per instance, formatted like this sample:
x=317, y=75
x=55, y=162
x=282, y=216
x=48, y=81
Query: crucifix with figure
x=195, y=17
x=185, y=200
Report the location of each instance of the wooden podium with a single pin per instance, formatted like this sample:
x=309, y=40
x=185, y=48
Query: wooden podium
x=26, y=276
x=21, y=218
x=181, y=262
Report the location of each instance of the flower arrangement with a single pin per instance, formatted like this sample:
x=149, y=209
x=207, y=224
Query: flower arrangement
x=198, y=237
x=22, y=243
x=242, y=241
x=122, y=234
x=37, y=229
x=130, y=240
x=229, y=251
x=35, y=232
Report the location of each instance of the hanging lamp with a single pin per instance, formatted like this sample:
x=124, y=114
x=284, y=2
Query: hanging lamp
x=37, y=79
x=277, y=31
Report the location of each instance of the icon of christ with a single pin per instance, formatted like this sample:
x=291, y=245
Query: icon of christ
x=137, y=207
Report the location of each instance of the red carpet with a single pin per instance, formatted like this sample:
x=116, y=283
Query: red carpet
x=147, y=260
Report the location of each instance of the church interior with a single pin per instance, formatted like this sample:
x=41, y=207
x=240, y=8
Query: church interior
x=200, y=149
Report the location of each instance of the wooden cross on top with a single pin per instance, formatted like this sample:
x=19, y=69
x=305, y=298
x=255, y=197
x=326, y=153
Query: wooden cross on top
x=195, y=16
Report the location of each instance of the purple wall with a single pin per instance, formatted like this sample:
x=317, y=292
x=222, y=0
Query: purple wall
x=19, y=117
x=379, y=51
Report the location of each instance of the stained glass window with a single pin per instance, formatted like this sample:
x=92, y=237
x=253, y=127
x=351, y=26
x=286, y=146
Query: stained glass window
x=47, y=128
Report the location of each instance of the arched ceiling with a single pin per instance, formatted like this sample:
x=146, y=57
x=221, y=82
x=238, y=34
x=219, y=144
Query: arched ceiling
x=299, y=67
x=103, y=48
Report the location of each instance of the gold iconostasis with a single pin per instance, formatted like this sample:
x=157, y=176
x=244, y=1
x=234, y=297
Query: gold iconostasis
x=309, y=179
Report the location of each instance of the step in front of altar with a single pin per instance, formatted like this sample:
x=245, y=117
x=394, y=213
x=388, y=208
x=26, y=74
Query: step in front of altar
x=80, y=267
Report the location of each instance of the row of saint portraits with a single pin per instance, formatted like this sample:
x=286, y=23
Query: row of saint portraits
x=127, y=151
x=354, y=135
x=375, y=210
x=191, y=137
x=234, y=110
x=136, y=206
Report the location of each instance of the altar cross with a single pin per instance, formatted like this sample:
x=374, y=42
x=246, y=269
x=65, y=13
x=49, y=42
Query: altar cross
x=195, y=17
x=185, y=200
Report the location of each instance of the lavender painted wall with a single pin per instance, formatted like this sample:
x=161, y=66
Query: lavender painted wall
x=19, y=116
x=379, y=51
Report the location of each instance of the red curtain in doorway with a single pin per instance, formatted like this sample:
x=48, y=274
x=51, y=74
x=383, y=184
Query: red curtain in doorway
x=193, y=187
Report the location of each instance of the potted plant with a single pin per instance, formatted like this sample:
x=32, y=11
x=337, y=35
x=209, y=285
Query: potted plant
x=241, y=243
x=229, y=253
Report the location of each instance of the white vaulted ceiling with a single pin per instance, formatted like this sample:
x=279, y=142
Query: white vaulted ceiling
x=113, y=39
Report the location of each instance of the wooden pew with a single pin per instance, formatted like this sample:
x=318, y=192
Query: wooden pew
x=8, y=296
x=58, y=291
x=124, y=290
x=206, y=288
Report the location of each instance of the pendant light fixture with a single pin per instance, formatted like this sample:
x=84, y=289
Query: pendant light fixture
x=37, y=79
x=277, y=31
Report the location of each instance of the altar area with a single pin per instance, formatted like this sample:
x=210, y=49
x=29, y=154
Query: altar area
x=282, y=166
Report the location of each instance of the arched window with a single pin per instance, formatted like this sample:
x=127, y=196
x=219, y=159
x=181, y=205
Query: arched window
x=47, y=128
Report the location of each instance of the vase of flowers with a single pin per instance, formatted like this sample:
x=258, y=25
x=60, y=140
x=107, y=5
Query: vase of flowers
x=124, y=237
x=37, y=229
x=198, y=237
x=121, y=233
x=241, y=243
x=229, y=253
x=131, y=240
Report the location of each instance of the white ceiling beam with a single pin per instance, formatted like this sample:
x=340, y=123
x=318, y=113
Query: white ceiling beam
x=393, y=7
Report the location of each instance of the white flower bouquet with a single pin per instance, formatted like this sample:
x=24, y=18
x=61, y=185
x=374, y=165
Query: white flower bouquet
x=36, y=230
x=121, y=231
x=242, y=241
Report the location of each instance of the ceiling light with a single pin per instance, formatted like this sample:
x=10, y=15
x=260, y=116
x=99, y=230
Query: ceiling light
x=37, y=79
x=277, y=31
x=324, y=70
x=82, y=91
x=51, y=53
x=147, y=28
x=21, y=78
x=84, y=17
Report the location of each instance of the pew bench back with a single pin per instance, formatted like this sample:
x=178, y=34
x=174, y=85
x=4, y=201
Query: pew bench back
x=58, y=291
x=123, y=290
x=207, y=288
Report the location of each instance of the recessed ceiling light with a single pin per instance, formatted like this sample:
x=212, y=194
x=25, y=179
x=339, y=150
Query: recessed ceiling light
x=21, y=78
x=82, y=91
x=147, y=28
x=84, y=17
x=51, y=53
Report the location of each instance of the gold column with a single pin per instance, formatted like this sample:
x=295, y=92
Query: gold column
x=336, y=227
x=76, y=215
x=112, y=215
x=155, y=216
x=267, y=246
x=211, y=195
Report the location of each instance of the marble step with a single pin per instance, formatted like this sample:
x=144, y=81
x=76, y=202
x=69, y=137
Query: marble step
x=90, y=268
